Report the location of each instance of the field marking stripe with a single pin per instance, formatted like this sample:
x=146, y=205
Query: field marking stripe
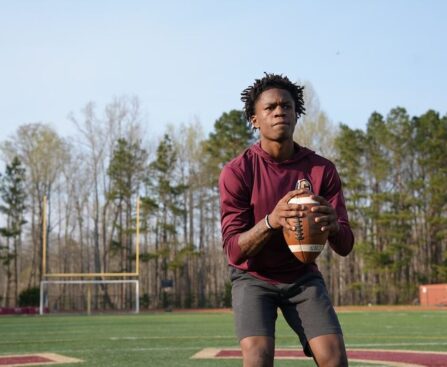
x=349, y=346
x=386, y=363
x=60, y=358
x=395, y=351
x=217, y=337
x=211, y=353
x=187, y=337
x=428, y=337
x=206, y=353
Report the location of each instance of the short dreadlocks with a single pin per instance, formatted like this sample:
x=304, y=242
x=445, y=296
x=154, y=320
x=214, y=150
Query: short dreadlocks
x=250, y=95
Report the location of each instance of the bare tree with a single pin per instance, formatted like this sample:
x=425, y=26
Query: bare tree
x=42, y=152
x=314, y=130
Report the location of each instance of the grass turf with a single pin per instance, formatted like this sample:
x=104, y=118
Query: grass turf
x=170, y=339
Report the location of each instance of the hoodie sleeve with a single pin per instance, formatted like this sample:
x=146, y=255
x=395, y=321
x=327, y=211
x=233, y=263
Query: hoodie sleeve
x=342, y=242
x=236, y=212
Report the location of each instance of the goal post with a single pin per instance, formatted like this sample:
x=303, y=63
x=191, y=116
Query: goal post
x=119, y=295
x=87, y=284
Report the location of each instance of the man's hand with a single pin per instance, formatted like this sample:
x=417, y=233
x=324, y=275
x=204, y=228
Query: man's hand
x=253, y=240
x=283, y=210
x=328, y=217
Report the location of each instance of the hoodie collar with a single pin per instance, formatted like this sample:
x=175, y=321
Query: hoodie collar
x=299, y=153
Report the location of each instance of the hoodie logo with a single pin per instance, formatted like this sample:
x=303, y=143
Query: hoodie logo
x=303, y=184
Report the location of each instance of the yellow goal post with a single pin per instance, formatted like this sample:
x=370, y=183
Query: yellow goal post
x=85, y=279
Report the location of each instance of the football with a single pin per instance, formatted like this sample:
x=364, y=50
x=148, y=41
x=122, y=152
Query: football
x=307, y=241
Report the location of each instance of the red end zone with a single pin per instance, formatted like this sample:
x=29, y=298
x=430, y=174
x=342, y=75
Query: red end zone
x=398, y=358
x=38, y=359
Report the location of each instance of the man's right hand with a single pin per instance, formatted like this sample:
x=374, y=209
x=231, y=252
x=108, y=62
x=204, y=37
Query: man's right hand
x=283, y=210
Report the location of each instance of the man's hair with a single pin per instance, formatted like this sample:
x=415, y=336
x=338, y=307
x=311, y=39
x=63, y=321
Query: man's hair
x=250, y=95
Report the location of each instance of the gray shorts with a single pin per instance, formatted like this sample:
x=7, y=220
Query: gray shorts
x=305, y=305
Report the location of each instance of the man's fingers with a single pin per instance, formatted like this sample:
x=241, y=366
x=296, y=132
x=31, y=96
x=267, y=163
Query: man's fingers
x=289, y=225
x=322, y=209
x=329, y=227
x=293, y=213
x=321, y=200
x=325, y=219
x=293, y=193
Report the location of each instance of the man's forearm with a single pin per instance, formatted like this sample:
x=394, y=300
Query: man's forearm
x=253, y=240
x=343, y=241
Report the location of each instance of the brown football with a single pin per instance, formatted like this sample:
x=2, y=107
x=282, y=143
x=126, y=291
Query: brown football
x=307, y=241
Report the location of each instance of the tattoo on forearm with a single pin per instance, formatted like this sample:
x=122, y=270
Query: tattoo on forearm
x=253, y=240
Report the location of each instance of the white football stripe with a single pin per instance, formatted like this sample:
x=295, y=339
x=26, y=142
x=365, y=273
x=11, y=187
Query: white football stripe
x=302, y=200
x=306, y=248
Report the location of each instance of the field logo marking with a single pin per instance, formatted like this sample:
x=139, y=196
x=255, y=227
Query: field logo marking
x=35, y=359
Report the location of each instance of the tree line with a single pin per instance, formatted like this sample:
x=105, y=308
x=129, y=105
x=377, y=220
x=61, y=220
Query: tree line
x=395, y=182
x=394, y=176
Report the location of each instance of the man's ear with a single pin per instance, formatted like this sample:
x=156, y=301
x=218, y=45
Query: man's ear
x=254, y=122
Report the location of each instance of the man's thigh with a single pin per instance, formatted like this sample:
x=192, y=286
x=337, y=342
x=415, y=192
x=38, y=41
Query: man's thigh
x=309, y=311
x=255, y=306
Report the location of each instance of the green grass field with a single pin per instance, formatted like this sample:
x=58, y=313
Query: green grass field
x=170, y=339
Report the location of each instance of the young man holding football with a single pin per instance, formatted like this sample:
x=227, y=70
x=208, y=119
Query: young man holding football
x=255, y=188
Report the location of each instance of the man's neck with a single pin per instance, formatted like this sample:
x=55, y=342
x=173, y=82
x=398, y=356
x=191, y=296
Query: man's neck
x=279, y=151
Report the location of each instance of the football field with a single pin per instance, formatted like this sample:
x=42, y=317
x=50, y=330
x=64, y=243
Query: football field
x=171, y=338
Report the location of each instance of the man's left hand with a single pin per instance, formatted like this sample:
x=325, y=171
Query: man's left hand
x=328, y=217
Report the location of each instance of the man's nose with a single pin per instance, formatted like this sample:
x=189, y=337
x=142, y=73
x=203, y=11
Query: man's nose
x=280, y=110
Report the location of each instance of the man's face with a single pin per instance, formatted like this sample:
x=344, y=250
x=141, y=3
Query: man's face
x=275, y=115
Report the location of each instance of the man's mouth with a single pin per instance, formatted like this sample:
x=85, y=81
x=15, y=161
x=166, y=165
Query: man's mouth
x=279, y=123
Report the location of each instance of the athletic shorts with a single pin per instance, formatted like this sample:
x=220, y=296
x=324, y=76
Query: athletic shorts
x=305, y=305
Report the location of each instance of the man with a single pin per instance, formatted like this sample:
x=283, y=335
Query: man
x=255, y=188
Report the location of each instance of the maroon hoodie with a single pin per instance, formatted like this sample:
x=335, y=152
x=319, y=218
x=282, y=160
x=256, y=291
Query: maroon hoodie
x=250, y=187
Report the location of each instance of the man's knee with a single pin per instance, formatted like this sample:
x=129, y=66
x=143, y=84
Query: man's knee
x=258, y=351
x=329, y=351
x=335, y=359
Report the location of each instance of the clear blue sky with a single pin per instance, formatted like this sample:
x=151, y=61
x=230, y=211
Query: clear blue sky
x=193, y=58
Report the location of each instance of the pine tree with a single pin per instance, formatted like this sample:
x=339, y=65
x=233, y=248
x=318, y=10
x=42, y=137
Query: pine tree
x=231, y=136
x=165, y=185
x=13, y=195
x=126, y=171
x=430, y=140
x=343, y=273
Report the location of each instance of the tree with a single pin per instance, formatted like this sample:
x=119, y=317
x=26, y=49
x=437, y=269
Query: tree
x=97, y=140
x=164, y=184
x=396, y=214
x=126, y=171
x=314, y=129
x=193, y=259
x=231, y=136
x=431, y=190
x=94, y=136
x=13, y=195
x=43, y=153
x=344, y=272
x=378, y=170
